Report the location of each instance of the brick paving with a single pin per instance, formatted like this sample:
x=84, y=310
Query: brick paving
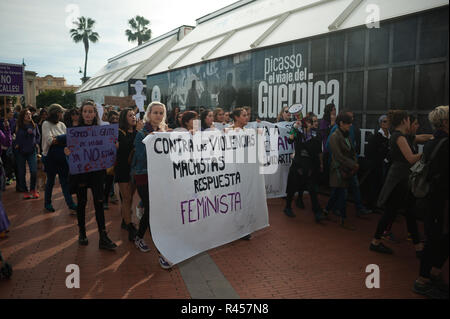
x=293, y=258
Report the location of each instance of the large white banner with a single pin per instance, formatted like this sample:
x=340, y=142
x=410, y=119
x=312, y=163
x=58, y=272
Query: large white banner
x=277, y=181
x=202, y=195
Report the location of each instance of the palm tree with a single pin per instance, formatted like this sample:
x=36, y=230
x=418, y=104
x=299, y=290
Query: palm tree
x=142, y=34
x=84, y=33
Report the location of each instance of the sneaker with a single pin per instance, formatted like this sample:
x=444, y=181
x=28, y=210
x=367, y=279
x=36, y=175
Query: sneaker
x=27, y=196
x=105, y=206
x=288, y=212
x=429, y=290
x=34, y=194
x=140, y=243
x=164, y=263
x=50, y=208
x=381, y=248
x=388, y=235
x=139, y=212
x=9, y=182
x=132, y=231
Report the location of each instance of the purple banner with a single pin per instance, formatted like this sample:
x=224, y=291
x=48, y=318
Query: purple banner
x=11, y=79
x=92, y=148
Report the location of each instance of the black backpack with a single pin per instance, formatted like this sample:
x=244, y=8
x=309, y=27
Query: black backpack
x=419, y=180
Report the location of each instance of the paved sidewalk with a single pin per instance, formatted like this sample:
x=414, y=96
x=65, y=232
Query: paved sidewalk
x=293, y=258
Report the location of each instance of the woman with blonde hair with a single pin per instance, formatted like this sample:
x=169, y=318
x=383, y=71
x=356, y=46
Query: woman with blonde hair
x=284, y=115
x=154, y=121
x=219, y=115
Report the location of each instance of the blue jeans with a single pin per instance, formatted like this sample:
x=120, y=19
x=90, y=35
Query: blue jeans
x=354, y=184
x=22, y=160
x=53, y=168
x=338, y=201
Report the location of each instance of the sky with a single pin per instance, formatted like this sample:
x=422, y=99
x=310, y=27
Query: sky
x=38, y=30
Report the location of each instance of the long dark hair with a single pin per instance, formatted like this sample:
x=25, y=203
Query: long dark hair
x=396, y=117
x=187, y=116
x=21, y=120
x=68, y=117
x=123, y=119
x=327, y=112
x=96, y=120
x=203, y=116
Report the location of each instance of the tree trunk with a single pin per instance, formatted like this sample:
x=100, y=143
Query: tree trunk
x=86, y=49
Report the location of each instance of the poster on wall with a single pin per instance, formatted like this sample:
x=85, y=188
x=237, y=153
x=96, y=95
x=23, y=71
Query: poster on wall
x=267, y=80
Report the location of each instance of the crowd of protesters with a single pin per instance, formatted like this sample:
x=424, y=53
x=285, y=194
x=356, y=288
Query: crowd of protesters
x=325, y=153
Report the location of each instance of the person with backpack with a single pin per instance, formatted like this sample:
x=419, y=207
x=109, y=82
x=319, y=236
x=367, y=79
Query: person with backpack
x=430, y=282
x=128, y=127
x=395, y=194
x=55, y=162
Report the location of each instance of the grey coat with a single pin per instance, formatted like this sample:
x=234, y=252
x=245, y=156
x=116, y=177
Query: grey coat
x=342, y=154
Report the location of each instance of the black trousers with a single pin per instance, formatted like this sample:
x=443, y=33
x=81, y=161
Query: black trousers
x=397, y=200
x=97, y=194
x=144, y=222
x=436, y=247
x=109, y=184
x=300, y=182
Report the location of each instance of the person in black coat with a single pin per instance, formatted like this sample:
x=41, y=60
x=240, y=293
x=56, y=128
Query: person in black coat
x=377, y=154
x=306, y=165
x=436, y=250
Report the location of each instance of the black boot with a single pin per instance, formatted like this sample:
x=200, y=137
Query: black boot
x=105, y=242
x=82, y=238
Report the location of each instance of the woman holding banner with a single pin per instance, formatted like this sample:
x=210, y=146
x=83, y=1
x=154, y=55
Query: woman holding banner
x=5, y=140
x=154, y=121
x=128, y=127
x=93, y=180
x=240, y=120
x=53, y=143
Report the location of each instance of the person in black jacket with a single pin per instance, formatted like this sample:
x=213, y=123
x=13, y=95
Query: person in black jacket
x=377, y=154
x=306, y=165
x=435, y=254
x=93, y=180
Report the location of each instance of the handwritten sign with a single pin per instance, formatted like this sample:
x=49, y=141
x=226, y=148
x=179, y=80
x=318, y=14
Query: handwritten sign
x=212, y=200
x=11, y=79
x=92, y=148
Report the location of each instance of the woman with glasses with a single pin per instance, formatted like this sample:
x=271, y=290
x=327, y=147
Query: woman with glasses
x=284, y=115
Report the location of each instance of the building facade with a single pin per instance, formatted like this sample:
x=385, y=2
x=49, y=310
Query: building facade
x=50, y=82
